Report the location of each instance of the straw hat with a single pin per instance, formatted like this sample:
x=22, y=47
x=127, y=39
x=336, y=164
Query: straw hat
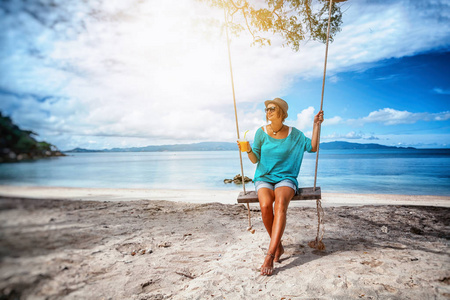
x=281, y=104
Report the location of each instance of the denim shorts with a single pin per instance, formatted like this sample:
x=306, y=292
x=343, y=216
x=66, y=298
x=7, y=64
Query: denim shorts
x=273, y=186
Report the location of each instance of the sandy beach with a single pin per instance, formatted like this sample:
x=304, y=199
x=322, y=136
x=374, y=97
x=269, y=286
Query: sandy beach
x=62, y=243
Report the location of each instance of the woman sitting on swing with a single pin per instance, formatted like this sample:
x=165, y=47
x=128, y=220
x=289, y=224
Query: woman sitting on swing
x=278, y=150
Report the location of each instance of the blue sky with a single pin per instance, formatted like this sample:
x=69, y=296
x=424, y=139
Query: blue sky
x=138, y=73
x=400, y=101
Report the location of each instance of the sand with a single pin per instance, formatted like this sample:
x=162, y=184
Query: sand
x=69, y=248
x=208, y=196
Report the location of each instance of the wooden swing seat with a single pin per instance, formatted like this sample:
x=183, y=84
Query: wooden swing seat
x=307, y=193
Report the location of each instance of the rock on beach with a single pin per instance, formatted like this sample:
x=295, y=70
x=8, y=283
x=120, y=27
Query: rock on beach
x=237, y=179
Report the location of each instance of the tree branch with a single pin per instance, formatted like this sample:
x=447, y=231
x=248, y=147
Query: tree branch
x=294, y=20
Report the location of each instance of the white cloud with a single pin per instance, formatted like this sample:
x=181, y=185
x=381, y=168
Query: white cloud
x=376, y=30
x=332, y=121
x=305, y=118
x=352, y=135
x=333, y=79
x=389, y=116
x=441, y=91
x=160, y=74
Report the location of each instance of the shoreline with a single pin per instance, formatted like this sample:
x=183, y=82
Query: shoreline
x=209, y=196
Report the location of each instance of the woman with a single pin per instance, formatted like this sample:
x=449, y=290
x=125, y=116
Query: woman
x=278, y=150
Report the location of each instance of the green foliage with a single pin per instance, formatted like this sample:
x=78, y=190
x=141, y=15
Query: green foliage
x=294, y=20
x=44, y=146
x=25, y=144
x=15, y=143
x=11, y=135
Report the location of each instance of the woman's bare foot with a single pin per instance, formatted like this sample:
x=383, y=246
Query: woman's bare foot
x=267, y=267
x=278, y=253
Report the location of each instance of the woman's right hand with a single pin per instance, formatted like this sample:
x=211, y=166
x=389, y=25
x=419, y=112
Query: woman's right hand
x=248, y=146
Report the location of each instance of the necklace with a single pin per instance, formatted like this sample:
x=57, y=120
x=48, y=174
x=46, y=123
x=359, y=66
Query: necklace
x=275, y=132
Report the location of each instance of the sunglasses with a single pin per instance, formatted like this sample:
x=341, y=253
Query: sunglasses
x=271, y=109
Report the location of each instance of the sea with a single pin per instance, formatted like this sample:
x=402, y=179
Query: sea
x=386, y=171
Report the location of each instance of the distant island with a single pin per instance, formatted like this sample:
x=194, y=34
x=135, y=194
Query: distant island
x=223, y=146
x=348, y=146
x=19, y=145
x=205, y=146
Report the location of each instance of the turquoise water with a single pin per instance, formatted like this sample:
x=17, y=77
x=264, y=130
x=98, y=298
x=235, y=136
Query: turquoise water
x=411, y=172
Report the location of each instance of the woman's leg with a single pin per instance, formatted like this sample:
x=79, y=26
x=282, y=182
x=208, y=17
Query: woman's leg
x=266, y=198
x=283, y=196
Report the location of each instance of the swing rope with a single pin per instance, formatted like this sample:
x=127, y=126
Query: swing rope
x=317, y=243
x=249, y=228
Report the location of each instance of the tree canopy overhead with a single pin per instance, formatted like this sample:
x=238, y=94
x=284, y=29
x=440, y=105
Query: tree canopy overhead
x=294, y=20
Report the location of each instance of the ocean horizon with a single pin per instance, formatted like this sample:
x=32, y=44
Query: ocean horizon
x=365, y=171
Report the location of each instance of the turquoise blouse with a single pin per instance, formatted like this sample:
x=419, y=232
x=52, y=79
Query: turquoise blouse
x=279, y=159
